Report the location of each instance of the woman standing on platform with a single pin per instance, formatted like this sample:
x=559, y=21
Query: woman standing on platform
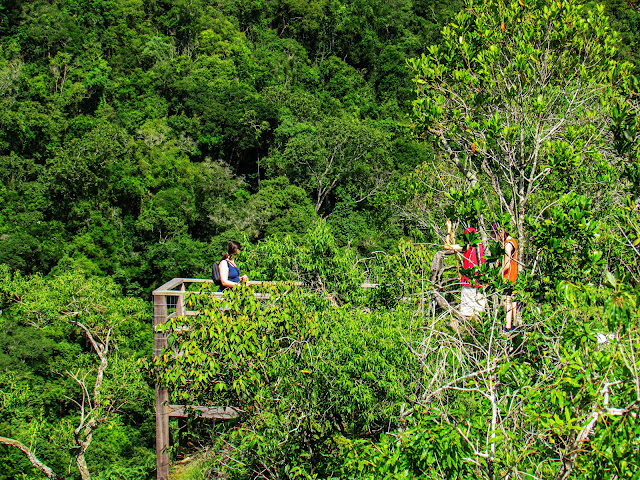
x=229, y=271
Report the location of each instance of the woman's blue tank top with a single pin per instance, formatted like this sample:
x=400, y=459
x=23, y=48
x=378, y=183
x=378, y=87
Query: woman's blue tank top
x=234, y=275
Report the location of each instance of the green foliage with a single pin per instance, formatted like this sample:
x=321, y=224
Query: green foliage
x=621, y=304
x=43, y=346
x=315, y=259
x=326, y=155
x=128, y=125
x=613, y=382
x=139, y=137
x=289, y=208
x=504, y=67
x=625, y=131
x=467, y=207
x=564, y=237
x=300, y=370
x=401, y=275
x=562, y=397
x=429, y=447
x=241, y=333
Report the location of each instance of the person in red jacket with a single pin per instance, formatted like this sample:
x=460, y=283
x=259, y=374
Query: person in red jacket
x=472, y=299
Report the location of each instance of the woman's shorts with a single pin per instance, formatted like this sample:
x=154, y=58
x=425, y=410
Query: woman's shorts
x=472, y=301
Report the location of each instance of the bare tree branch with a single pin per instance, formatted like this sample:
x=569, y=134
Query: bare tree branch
x=47, y=471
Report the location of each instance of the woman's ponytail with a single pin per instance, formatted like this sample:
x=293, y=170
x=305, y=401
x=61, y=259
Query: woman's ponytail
x=232, y=249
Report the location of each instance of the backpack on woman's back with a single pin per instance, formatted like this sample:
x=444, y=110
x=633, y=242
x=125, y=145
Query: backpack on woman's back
x=215, y=273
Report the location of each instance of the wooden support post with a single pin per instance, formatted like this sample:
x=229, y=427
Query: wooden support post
x=162, y=393
x=180, y=305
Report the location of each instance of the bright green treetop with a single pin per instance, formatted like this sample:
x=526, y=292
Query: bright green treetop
x=517, y=98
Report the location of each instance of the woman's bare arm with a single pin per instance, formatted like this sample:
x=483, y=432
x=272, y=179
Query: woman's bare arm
x=224, y=274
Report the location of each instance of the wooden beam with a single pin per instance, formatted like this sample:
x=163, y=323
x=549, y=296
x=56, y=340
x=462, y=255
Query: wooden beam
x=162, y=393
x=169, y=287
x=176, y=285
x=217, y=413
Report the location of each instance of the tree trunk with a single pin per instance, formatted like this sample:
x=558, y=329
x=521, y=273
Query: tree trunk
x=521, y=238
x=437, y=269
x=81, y=462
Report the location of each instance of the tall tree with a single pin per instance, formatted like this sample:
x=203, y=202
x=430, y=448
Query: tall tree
x=516, y=98
x=99, y=382
x=326, y=154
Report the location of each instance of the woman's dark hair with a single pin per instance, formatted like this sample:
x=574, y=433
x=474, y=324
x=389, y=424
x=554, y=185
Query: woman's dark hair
x=498, y=233
x=232, y=249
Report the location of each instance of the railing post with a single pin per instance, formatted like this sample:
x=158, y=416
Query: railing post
x=162, y=393
x=180, y=305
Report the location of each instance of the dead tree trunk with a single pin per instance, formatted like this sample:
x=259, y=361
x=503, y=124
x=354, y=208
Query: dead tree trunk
x=437, y=270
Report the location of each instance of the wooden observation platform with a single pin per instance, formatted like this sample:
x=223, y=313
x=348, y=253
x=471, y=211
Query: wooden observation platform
x=169, y=302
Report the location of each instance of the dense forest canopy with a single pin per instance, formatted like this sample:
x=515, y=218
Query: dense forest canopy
x=139, y=136
x=333, y=138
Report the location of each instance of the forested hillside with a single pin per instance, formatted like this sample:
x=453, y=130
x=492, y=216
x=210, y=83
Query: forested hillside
x=138, y=137
x=333, y=139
